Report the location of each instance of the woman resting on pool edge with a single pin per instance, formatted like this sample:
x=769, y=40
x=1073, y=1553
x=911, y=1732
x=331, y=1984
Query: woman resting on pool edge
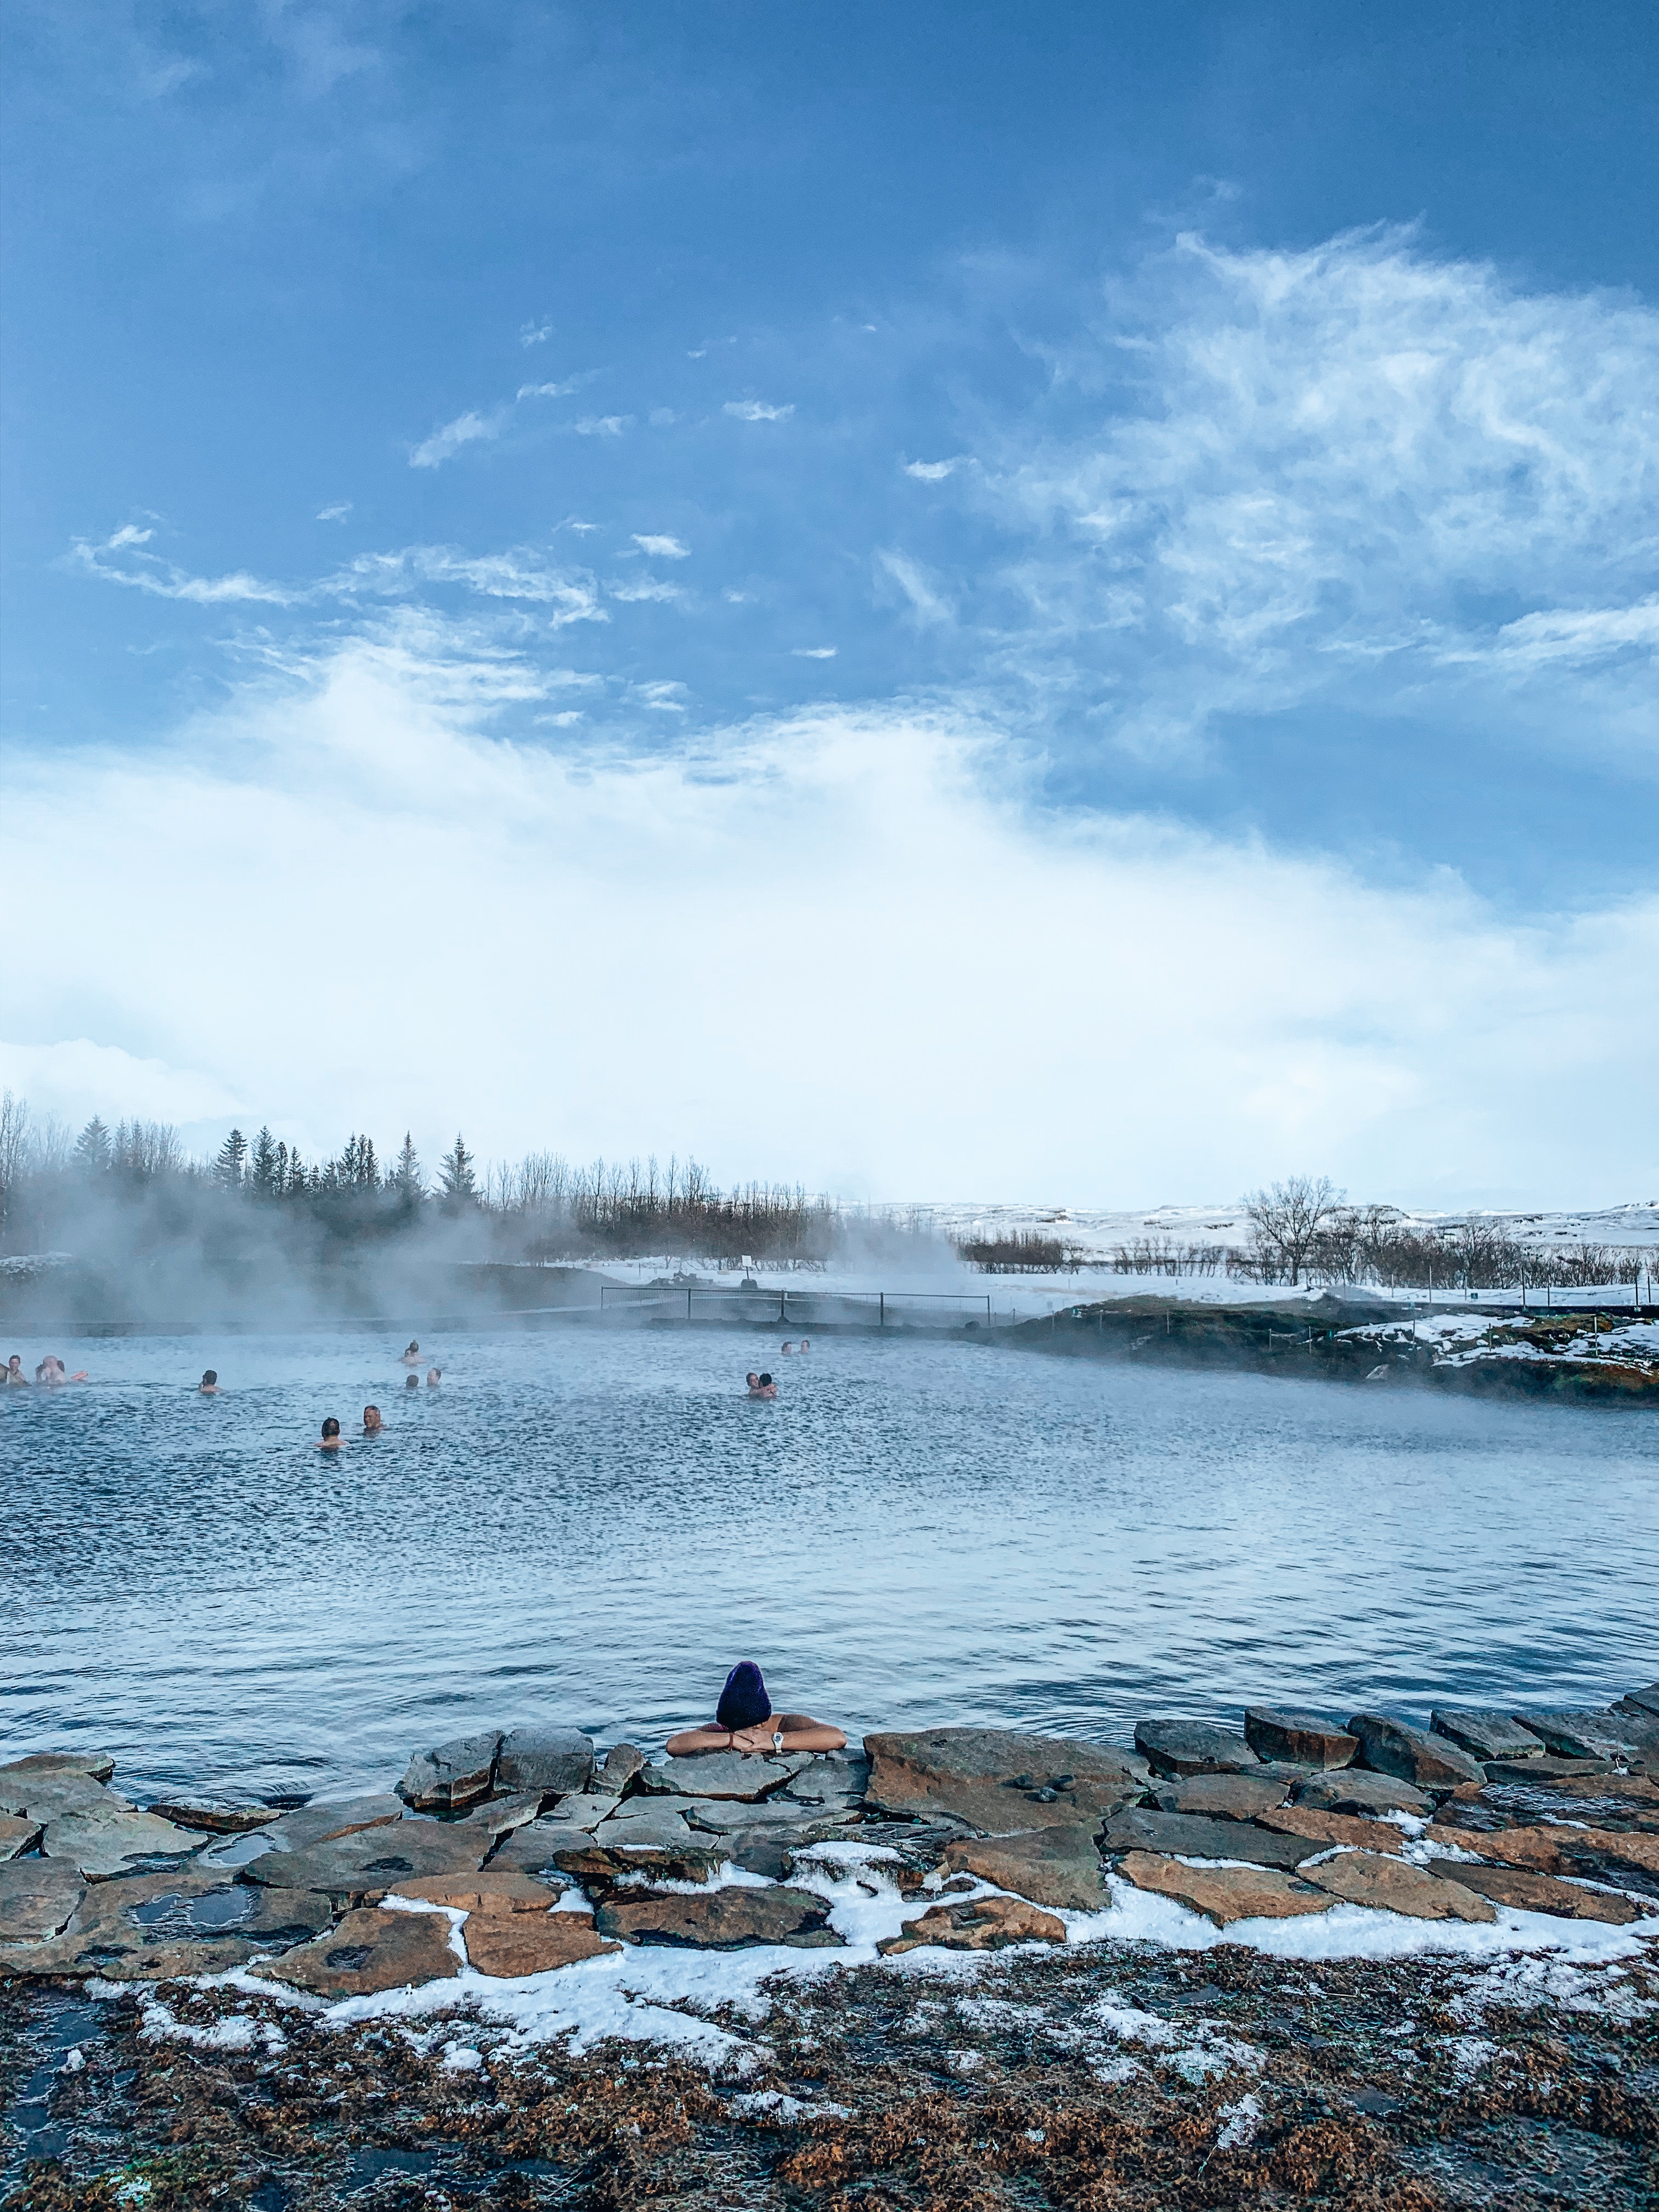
x=744, y=1721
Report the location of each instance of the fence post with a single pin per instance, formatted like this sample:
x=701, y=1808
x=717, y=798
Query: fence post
x=688, y=1303
x=783, y=1300
x=881, y=1319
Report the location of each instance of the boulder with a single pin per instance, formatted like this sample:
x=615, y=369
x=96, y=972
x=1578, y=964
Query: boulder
x=1391, y=1747
x=189, y=1921
x=1640, y=1701
x=982, y=1923
x=38, y=1899
x=1227, y=1894
x=1367, y=1878
x=1173, y=1747
x=1544, y=1769
x=218, y=1820
x=1051, y=1866
x=17, y=1835
x=994, y=1779
x=511, y=1945
x=1353, y=1790
x=456, y=1774
x=715, y=1919
x=744, y=1777
x=1220, y=1796
x=1573, y=1734
x=298, y=1830
x=1485, y=1734
x=622, y=1763
x=548, y=1760
x=1192, y=1837
x=1326, y=1829
x=102, y=1844
x=371, y=1950
x=371, y=1861
x=502, y=1816
x=1537, y=1893
x=1538, y=1847
x=1299, y=1739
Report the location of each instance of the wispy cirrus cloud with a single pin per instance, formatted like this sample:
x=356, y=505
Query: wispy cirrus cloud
x=124, y=558
x=337, y=512
x=468, y=430
x=662, y=547
x=757, y=410
x=603, y=426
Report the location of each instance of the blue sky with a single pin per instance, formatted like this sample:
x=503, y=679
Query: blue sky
x=1103, y=480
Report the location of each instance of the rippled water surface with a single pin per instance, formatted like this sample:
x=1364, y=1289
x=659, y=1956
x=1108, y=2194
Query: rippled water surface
x=592, y=1527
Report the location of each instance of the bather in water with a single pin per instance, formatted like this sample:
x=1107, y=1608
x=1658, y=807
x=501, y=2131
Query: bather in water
x=14, y=1378
x=331, y=1439
x=208, y=1385
x=372, y=1422
x=744, y=1721
x=412, y=1356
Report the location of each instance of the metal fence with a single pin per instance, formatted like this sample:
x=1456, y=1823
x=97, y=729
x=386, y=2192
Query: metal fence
x=802, y=1309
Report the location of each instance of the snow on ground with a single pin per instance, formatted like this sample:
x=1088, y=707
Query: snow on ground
x=667, y=1996
x=1460, y=1339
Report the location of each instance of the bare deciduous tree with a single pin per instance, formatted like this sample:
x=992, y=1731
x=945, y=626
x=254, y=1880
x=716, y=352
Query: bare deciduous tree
x=1286, y=1222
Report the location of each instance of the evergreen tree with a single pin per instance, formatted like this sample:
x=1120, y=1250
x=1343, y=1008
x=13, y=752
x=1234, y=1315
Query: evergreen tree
x=460, y=1185
x=92, y=1148
x=405, y=1178
x=264, y=1171
x=231, y=1162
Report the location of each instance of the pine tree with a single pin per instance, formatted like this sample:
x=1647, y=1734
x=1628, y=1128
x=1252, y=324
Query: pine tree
x=231, y=1162
x=262, y=1172
x=460, y=1185
x=405, y=1179
x=92, y=1148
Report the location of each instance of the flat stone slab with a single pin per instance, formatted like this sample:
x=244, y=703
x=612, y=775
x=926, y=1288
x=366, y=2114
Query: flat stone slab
x=56, y=1793
x=502, y=1816
x=653, y=1824
x=559, y=1759
x=38, y=1899
x=1353, y=1790
x=1546, y=1769
x=492, y=1891
x=17, y=1835
x=995, y=1780
x=511, y=1945
x=1326, y=1829
x=1366, y=1878
x=1640, y=1701
x=1388, y=1746
x=730, y=1774
x=189, y=1921
x=1537, y=1893
x=1191, y=1836
x=1274, y=1732
x=1485, y=1734
x=103, y=1845
x=453, y=1775
x=599, y=1865
x=95, y=1765
x=1616, y=1791
x=1174, y=1747
x=370, y=1950
x=1220, y=1796
x=215, y=1818
x=1224, y=1894
x=533, y=1850
x=716, y=1919
x=319, y=1824
x=1051, y=1866
x=780, y=1818
x=837, y=1779
x=1575, y=1735
x=370, y=1862
x=982, y=1923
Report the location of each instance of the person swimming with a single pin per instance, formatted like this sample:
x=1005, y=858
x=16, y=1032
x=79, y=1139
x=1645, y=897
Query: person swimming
x=753, y=1381
x=208, y=1385
x=805, y=1344
x=744, y=1721
x=434, y=1376
x=768, y=1389
x=13, y=1377
x=54, y=1375
x=372, y=1422
x=411, y=1357
x=411, y=1381
x=330, y=1435
x=787, y=1349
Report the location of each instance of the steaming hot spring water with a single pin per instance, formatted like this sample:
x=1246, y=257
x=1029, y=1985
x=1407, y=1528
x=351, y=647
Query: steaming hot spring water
x=592, y=1527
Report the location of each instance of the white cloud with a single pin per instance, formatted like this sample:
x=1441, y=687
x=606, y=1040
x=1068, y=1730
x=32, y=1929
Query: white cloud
x=444, y=444
x=931, y=471
x=1189, y=1013
x=813, y=651
x=757, y=410
x=535, y=334
x=662, y=698
x=602, y=425
x=1341, y=472
x=662, y=549
x=550, y=391
x=927, y=602
x=146, y=572
x=337, y=512
x=643, y=589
